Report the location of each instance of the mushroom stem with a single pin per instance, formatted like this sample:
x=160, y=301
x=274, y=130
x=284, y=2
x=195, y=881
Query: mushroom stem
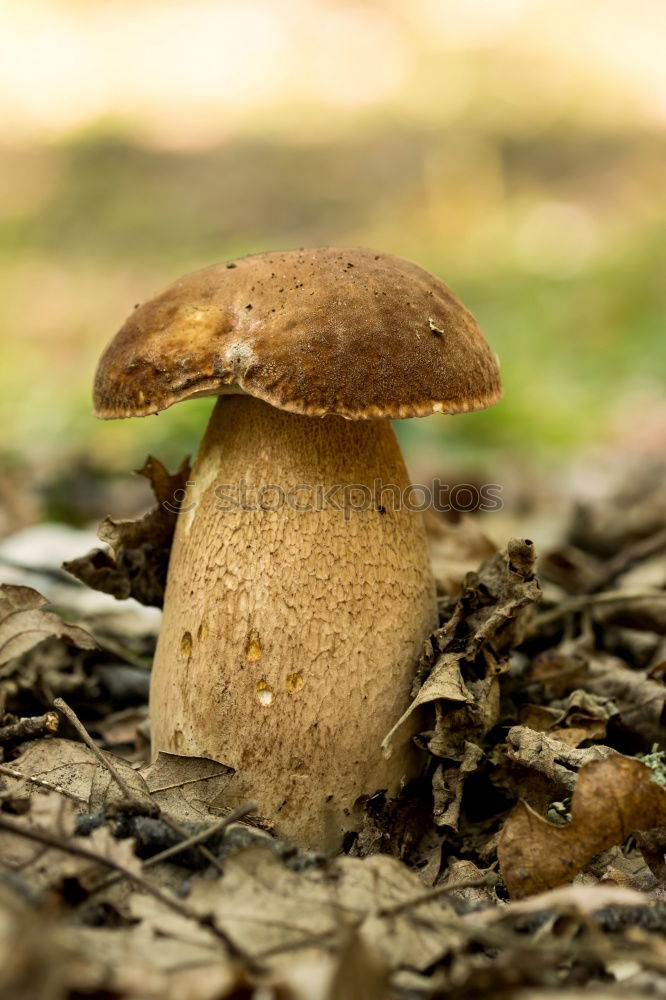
x=290, y=636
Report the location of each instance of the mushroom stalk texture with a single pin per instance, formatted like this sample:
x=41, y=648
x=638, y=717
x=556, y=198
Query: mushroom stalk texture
x=290, y=634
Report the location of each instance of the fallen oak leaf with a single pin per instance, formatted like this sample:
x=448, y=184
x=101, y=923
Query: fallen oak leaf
x=612, y=799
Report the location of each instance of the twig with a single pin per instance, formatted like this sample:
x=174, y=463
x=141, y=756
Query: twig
x=50, y=840
x=30, y=728
x=11, y=772
x=199, y=838
x=124, y=787
x=487, y=881
x=625, y=559
x=583, y=601
x=195, y=841
x=72, y=717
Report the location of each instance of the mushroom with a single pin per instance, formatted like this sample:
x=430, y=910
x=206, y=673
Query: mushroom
x=299, y=592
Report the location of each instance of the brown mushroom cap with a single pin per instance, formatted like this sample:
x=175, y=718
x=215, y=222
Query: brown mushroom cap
x=325, y=331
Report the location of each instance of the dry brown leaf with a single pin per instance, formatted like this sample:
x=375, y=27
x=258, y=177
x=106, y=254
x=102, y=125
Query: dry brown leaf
x=486, y=621
x=41, y=867
x=640, y=700
x=21, y=631
x=583, y=716
x=612, y=799
x=186, y=787
x=540, y=769
x=463, y=873
x=448, y=784
x=75, y=769
x=263, y=906
x=15, y=598
x=136, y=563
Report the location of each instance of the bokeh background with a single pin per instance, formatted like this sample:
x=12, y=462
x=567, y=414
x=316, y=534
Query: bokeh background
x=516, y=148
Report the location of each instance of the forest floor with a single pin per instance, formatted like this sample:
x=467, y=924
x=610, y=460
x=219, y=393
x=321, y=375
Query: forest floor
x=528, y=862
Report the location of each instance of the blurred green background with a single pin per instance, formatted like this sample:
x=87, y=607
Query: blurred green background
x=516, y=148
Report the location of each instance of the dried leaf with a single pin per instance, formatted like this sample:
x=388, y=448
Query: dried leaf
x=21, y=631
x=268, y=909
x=641, y=702
x=540, y=769
x=582, y=716
x=463, y=873
x=612, y=799
x=137, y=561
x=488, y=618
x=186, y=787
x=15, y=598
x=448, y=784
x=41, y=867
x=74, y=768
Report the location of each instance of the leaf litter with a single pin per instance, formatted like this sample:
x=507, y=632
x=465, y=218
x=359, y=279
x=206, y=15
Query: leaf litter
x=528, y=861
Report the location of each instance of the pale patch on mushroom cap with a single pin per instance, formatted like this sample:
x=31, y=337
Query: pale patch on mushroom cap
x=326, y=331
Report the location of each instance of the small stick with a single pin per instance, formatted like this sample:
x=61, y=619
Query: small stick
x=30, y=728
x=585, y=600
x=195, y=841
x=13, y=773
x=203, y=835
x=72, y=717
x=122, y=785
x=487, y=881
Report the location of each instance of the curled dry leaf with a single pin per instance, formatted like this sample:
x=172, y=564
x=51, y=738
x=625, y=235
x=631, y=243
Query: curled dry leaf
x=459, y=672
x=21, y=631
x=15, y=598
x=612, y=799
x=485, y=622
x=136, y=562
x=40, y=655
x=448, y=784
x=639, y=699
x=583, y=716
x=539, y=769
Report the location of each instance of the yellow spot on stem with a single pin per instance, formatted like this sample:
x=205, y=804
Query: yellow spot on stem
x=253, y=649
x=265, y=693
x=294, y=682
x=186, y=646
x=203, y=630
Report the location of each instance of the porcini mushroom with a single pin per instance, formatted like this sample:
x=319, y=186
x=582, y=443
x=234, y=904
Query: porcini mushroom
x=293, y=621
